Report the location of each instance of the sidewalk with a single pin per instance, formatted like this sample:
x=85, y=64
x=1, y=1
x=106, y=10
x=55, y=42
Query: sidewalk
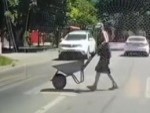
x=21, y=59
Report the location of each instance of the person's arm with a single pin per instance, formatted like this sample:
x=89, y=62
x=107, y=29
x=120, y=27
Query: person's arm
x=106, y=37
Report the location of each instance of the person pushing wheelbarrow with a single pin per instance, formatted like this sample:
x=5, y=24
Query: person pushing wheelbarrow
x=105, y=55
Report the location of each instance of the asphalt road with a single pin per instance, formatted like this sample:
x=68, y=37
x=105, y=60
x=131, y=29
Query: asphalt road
x=35, y=93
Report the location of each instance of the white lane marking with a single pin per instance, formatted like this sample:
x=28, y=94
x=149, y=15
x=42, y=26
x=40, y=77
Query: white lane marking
x=147, y=93
x=51, y=104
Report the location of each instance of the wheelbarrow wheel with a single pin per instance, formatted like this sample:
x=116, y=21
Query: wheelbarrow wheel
x=59, y=81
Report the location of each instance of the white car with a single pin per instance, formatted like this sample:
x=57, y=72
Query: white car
x=76, y=44
x=137, y=44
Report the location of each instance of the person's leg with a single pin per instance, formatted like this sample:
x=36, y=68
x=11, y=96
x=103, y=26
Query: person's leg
x=111, y=78
x=94, y=86
x=96, y=79
x=114, y=84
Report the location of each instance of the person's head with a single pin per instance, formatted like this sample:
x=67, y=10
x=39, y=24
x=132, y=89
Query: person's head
x=101, y=26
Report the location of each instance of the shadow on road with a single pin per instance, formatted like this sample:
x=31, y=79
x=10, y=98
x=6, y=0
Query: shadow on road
x=133, y=55
x=71, y=90
x=68, y=59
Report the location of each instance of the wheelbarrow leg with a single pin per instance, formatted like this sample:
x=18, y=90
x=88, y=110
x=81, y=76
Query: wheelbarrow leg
x=81, y=77
x=59, y=81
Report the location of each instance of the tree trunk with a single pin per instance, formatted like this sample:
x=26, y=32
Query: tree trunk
x=18, y=34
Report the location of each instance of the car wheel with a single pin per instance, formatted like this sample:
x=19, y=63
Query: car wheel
x=60, y=57
x=146, y=54
x=93, y=53
x=126, y=54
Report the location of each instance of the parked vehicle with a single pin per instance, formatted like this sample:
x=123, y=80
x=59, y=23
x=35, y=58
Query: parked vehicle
x=77, y=44
x=136, y=45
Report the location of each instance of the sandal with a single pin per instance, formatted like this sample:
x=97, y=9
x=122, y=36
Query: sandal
x=113, y=87
x=92, y=88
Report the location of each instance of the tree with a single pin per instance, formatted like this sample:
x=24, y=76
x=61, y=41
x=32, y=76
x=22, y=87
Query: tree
x=49, y=15
x=15, y=18
x=52, y=16
x=1, y=14
x=82, y=12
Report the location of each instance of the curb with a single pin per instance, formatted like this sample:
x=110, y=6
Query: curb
x=18, y=66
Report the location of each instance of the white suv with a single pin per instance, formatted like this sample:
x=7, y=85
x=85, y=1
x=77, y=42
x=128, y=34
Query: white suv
x=77, y=43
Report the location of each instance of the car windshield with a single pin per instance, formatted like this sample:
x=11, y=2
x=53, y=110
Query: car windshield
x=76, y=37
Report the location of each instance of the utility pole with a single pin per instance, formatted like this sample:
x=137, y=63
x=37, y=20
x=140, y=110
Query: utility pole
x=9, y=25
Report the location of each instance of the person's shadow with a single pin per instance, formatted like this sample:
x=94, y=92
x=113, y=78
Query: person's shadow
x=70, y=90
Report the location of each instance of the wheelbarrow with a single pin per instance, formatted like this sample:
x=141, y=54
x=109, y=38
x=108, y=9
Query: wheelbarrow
x=66, y=69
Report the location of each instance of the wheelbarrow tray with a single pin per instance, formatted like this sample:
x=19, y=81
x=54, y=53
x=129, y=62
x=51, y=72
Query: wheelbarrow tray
x=69, y=67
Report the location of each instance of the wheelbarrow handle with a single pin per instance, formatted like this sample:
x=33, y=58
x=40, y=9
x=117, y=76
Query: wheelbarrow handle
x=87, y=62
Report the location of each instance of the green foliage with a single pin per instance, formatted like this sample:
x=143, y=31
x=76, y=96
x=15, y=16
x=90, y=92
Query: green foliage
x=82, y=12
x=12, y=13
x=50, y=15
x=18, y=11
x=5, y=61
x=13, y=3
